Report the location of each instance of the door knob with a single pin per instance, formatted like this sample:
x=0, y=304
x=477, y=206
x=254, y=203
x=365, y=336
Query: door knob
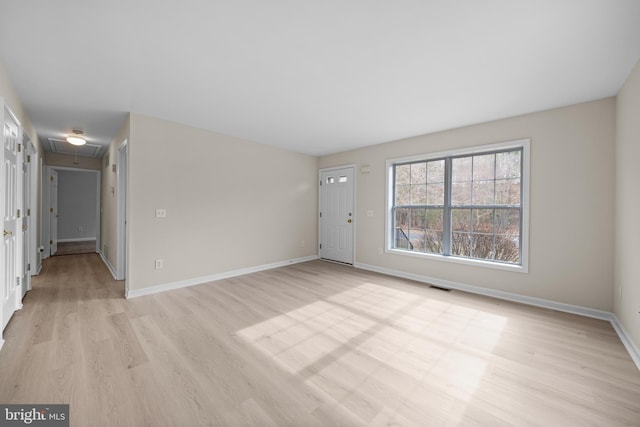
x=7, y=233
x=349, y=220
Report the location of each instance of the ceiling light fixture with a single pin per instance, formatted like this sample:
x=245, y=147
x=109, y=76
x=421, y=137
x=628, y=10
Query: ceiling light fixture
x=76, y=139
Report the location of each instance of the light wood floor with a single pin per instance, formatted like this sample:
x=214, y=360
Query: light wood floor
x=306, y=345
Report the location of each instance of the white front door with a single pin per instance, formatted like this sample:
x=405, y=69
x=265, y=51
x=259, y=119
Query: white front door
x=337, y=215
x=53, y=212
x=11, y=291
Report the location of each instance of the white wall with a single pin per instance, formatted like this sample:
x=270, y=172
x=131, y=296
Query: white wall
x=231, y=204
x=627, y=207
x=571, y=209
x=77, y=205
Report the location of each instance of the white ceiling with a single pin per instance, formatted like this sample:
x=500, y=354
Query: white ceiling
x=312, y=76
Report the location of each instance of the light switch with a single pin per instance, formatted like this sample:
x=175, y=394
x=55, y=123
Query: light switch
x=161, y=213
x=369, y=213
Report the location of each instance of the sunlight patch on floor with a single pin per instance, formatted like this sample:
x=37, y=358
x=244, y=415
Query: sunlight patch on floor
x=370, y=336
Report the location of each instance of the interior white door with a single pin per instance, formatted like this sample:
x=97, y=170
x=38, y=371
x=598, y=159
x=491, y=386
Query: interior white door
x=26, y=217
x=337, y=215
x=10, y=279
x=53, y=212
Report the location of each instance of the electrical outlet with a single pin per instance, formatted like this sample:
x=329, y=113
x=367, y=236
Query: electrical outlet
x=379, y=251
x=161, y=213
x=81, y=228
x=159, y=264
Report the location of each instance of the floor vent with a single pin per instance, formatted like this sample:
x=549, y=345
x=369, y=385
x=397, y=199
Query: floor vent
x=440, y=288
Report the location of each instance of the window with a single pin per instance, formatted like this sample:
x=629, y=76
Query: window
x=461, y=205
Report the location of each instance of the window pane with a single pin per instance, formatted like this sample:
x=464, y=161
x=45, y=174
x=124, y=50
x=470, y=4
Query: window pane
x=401, y=227
x=508, y=221
x=419, y=194
x=403, y=174
x=435, y=171
x=484, y=167
x=435, y=219
x=507, y=249
x=461, y=244
x=508, y=191
x=461, y=219
x=342, y=179
x=418, y=219
x=403, y=194
x=417, y=228
x=461, y=193
x=482, y=220
x=508, y=164
x=482, y=246
x=461, y=169
x=435, y=194
x=419, y=173
x=483, y=193
x=507, y=225
x=433, y=242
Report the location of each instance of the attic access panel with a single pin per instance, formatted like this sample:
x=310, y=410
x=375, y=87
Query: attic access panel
x=63, y=147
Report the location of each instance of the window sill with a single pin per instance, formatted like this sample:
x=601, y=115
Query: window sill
x=458, y=260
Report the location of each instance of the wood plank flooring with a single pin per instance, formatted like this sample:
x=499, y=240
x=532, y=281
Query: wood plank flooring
x=313, y=344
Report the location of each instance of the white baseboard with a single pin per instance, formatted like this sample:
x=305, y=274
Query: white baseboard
x=626, y=340
x=133, y=293
x=538, y=302
x=78, y=239
x=1, y=341
x=108, y=264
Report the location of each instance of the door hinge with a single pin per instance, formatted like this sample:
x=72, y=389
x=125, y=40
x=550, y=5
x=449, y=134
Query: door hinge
x=28, y=212
x=320, y=245
x=18, y=213
x=51, y=242
x=51, y=178
x=28, y=267
x=320, y=183
x=19, y=148
x=320, y=214
x=17, y=281
x=51, y=210
x=28, y=158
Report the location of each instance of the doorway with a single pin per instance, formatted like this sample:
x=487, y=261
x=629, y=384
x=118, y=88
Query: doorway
x=72, y=212
x=337, y=214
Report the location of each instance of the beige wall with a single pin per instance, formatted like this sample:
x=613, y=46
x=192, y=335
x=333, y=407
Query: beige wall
x=8, y=92
x=231, y=204
x=571, y=226
x=109, y=194
x=627, y=207
x=68, y=161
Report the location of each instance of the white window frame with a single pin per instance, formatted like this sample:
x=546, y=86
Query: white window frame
x=525, y=145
